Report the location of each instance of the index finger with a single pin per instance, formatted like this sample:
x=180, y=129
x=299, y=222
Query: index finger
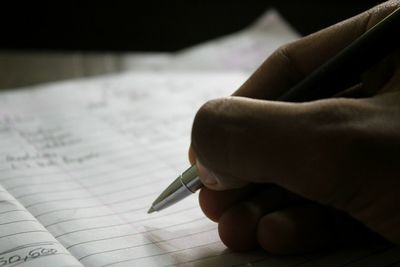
x=292, y=62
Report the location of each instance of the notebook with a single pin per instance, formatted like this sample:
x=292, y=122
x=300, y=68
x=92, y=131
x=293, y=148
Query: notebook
x=81, y=161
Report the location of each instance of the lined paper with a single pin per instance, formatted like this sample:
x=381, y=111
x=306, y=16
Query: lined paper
x=86, y=158
x=253, y=44
x=89, y=164
x=24, y=241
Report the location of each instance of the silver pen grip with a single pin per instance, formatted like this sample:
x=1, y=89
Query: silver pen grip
x=186, y=184
x=190, y=179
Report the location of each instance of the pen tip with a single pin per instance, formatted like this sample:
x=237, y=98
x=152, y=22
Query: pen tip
x=151, y=210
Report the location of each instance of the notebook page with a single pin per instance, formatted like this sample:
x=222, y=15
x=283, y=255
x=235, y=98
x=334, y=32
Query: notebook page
x=254, y=44
x=87, y=158
x=88, y=165
x=24, y=241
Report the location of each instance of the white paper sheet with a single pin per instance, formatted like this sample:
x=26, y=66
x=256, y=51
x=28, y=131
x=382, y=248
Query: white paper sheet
x=86, y=158
x=24, y=241
x=240, y=51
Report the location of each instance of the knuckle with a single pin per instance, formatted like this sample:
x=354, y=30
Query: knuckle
x=343, y=127
x=333, y=114
x=211, y=110
x=284, y=57
x=203, y=118
x=208, y=132
x=335, y=131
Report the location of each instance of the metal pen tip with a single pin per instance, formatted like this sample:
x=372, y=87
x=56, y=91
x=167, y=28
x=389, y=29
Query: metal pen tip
x=186, y=184
x=151, y=210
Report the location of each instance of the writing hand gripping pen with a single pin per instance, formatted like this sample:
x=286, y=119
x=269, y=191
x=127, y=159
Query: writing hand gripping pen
x=338, y=73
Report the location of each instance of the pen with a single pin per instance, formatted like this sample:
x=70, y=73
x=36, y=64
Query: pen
x=340, y=72
x=186, y=184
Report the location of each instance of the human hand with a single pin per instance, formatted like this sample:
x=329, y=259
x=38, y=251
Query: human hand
x=289, y=176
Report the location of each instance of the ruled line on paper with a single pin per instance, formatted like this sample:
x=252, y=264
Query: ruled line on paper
x=95, y=217
x=24, y=232
x=133, y=234
x=202, y=258
x=22, y=185
x=125, y=223
x=97, y=208
x=149, y=243
x=120, y=179
x=91, y=206
x=49, y=192
x=96, y=184
x=111, y=192
x=104, y=215
x=91, y=197
x=24, y=239
x=94, y=206
x=125, y=154
x=13, y=210
x=102, y=195
x=131, y=175
x=19, y=221
x=129, y=147
x=164, y=253
x=95, y=194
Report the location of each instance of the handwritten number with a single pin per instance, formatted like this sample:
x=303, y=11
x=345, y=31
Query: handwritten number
x=14, y=259
x=32, y=254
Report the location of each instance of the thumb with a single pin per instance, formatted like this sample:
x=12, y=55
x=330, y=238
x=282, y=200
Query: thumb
x=302, y=147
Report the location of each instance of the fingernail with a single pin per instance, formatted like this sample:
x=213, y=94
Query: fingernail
x=207, y=176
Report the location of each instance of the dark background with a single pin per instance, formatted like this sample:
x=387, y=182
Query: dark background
x=151, y=25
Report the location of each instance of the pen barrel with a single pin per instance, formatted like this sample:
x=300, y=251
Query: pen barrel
x=185, y=185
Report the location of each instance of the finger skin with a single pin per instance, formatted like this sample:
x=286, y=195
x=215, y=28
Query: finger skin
x=214, y=203
x=268, y=197
x=343, y=153
x=238, y=223
x=333, y=151
x=285, y=67
x=309, y=227
x=264, y=141
x=298, y=229
x=237, y=227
